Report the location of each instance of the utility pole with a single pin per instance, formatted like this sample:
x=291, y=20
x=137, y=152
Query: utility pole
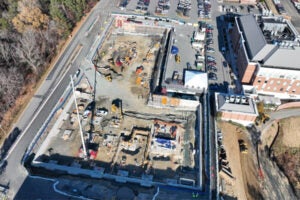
x=78, y=118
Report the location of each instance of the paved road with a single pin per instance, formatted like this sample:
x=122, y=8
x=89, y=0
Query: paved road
x=291, y=10
x=285, y=113
x=15, y=173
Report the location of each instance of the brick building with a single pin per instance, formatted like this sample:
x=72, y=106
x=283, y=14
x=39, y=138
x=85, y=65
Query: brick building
x=266, y=49
x=236, y=108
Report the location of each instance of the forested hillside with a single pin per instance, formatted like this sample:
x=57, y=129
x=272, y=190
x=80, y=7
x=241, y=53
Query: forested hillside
x=30, y=31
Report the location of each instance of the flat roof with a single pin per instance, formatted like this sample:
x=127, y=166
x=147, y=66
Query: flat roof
x=222, y=105
x=287, y=58
x=186, y=53
x=195, y=79
x=253, y=35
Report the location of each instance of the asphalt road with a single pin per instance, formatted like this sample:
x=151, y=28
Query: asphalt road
x=15, y=175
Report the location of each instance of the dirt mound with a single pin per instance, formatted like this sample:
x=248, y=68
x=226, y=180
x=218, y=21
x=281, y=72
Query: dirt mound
x=290, y=132
x=286, y=150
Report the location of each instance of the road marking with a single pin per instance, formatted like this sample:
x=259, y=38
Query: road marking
x=36, y=114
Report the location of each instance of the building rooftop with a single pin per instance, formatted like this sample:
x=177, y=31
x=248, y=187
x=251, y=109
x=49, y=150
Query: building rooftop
x=252, y=33
x=286, y=58
x=265, y=52
x=186, y=53
x=195, y=79
x=236, y=103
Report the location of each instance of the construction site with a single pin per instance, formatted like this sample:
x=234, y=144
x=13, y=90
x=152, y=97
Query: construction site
x=106, y=128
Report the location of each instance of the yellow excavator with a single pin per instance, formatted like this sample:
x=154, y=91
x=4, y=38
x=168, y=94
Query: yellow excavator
x=108, y=77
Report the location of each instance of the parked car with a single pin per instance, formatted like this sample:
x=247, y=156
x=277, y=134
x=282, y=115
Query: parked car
x=210, y=58
x=210, y=50
x=212, y=63
x=209, y=41
x=212, y=68
x=212, y=76
x=213, y=87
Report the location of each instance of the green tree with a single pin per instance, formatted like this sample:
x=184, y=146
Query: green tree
x=3, y=24
x=76, y=7
x=62, y=22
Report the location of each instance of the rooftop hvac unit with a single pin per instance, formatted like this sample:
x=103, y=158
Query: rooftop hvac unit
x=243, y=99
x=227, y=99
x=232, y=99
x=237, y=99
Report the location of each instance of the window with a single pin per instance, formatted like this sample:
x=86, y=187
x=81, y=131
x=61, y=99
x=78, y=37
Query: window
x=281, y=76
x=266, y=81
x=278, y=82
x=258, y=80
x=281, y=89
x=271, y=82
x=275, y=88
x=284, y=83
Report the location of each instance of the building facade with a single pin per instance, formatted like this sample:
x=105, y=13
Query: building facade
x=236, y=108
x=266, y=55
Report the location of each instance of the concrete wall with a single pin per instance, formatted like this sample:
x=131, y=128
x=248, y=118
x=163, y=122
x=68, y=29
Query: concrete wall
x=248, y=1
x=241, y=118
x=161, y=101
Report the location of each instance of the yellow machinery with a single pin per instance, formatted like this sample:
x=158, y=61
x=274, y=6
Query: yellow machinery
x=243, y=147
x=177, y=58
x=108, y=77
x=116, y=107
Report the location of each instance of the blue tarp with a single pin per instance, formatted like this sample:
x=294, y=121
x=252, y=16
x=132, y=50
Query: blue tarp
x=165, y=143
x=174, y=50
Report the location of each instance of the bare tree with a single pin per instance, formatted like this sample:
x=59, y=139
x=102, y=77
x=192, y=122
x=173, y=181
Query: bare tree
x=5, y=52
x=29, y=49
x=11, y=82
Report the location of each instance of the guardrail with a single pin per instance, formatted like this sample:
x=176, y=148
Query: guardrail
x=46, y=123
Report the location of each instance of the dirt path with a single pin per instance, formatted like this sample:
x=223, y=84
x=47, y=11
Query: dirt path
x=280, y=143
x=243, y=165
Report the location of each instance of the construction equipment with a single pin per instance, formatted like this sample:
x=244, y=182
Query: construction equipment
x=108, y=77
x=139, y=70
x=177, y=58
x=243, y=147
x=116, y=107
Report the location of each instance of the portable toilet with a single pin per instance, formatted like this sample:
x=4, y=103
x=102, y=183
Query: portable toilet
x=174, y=50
